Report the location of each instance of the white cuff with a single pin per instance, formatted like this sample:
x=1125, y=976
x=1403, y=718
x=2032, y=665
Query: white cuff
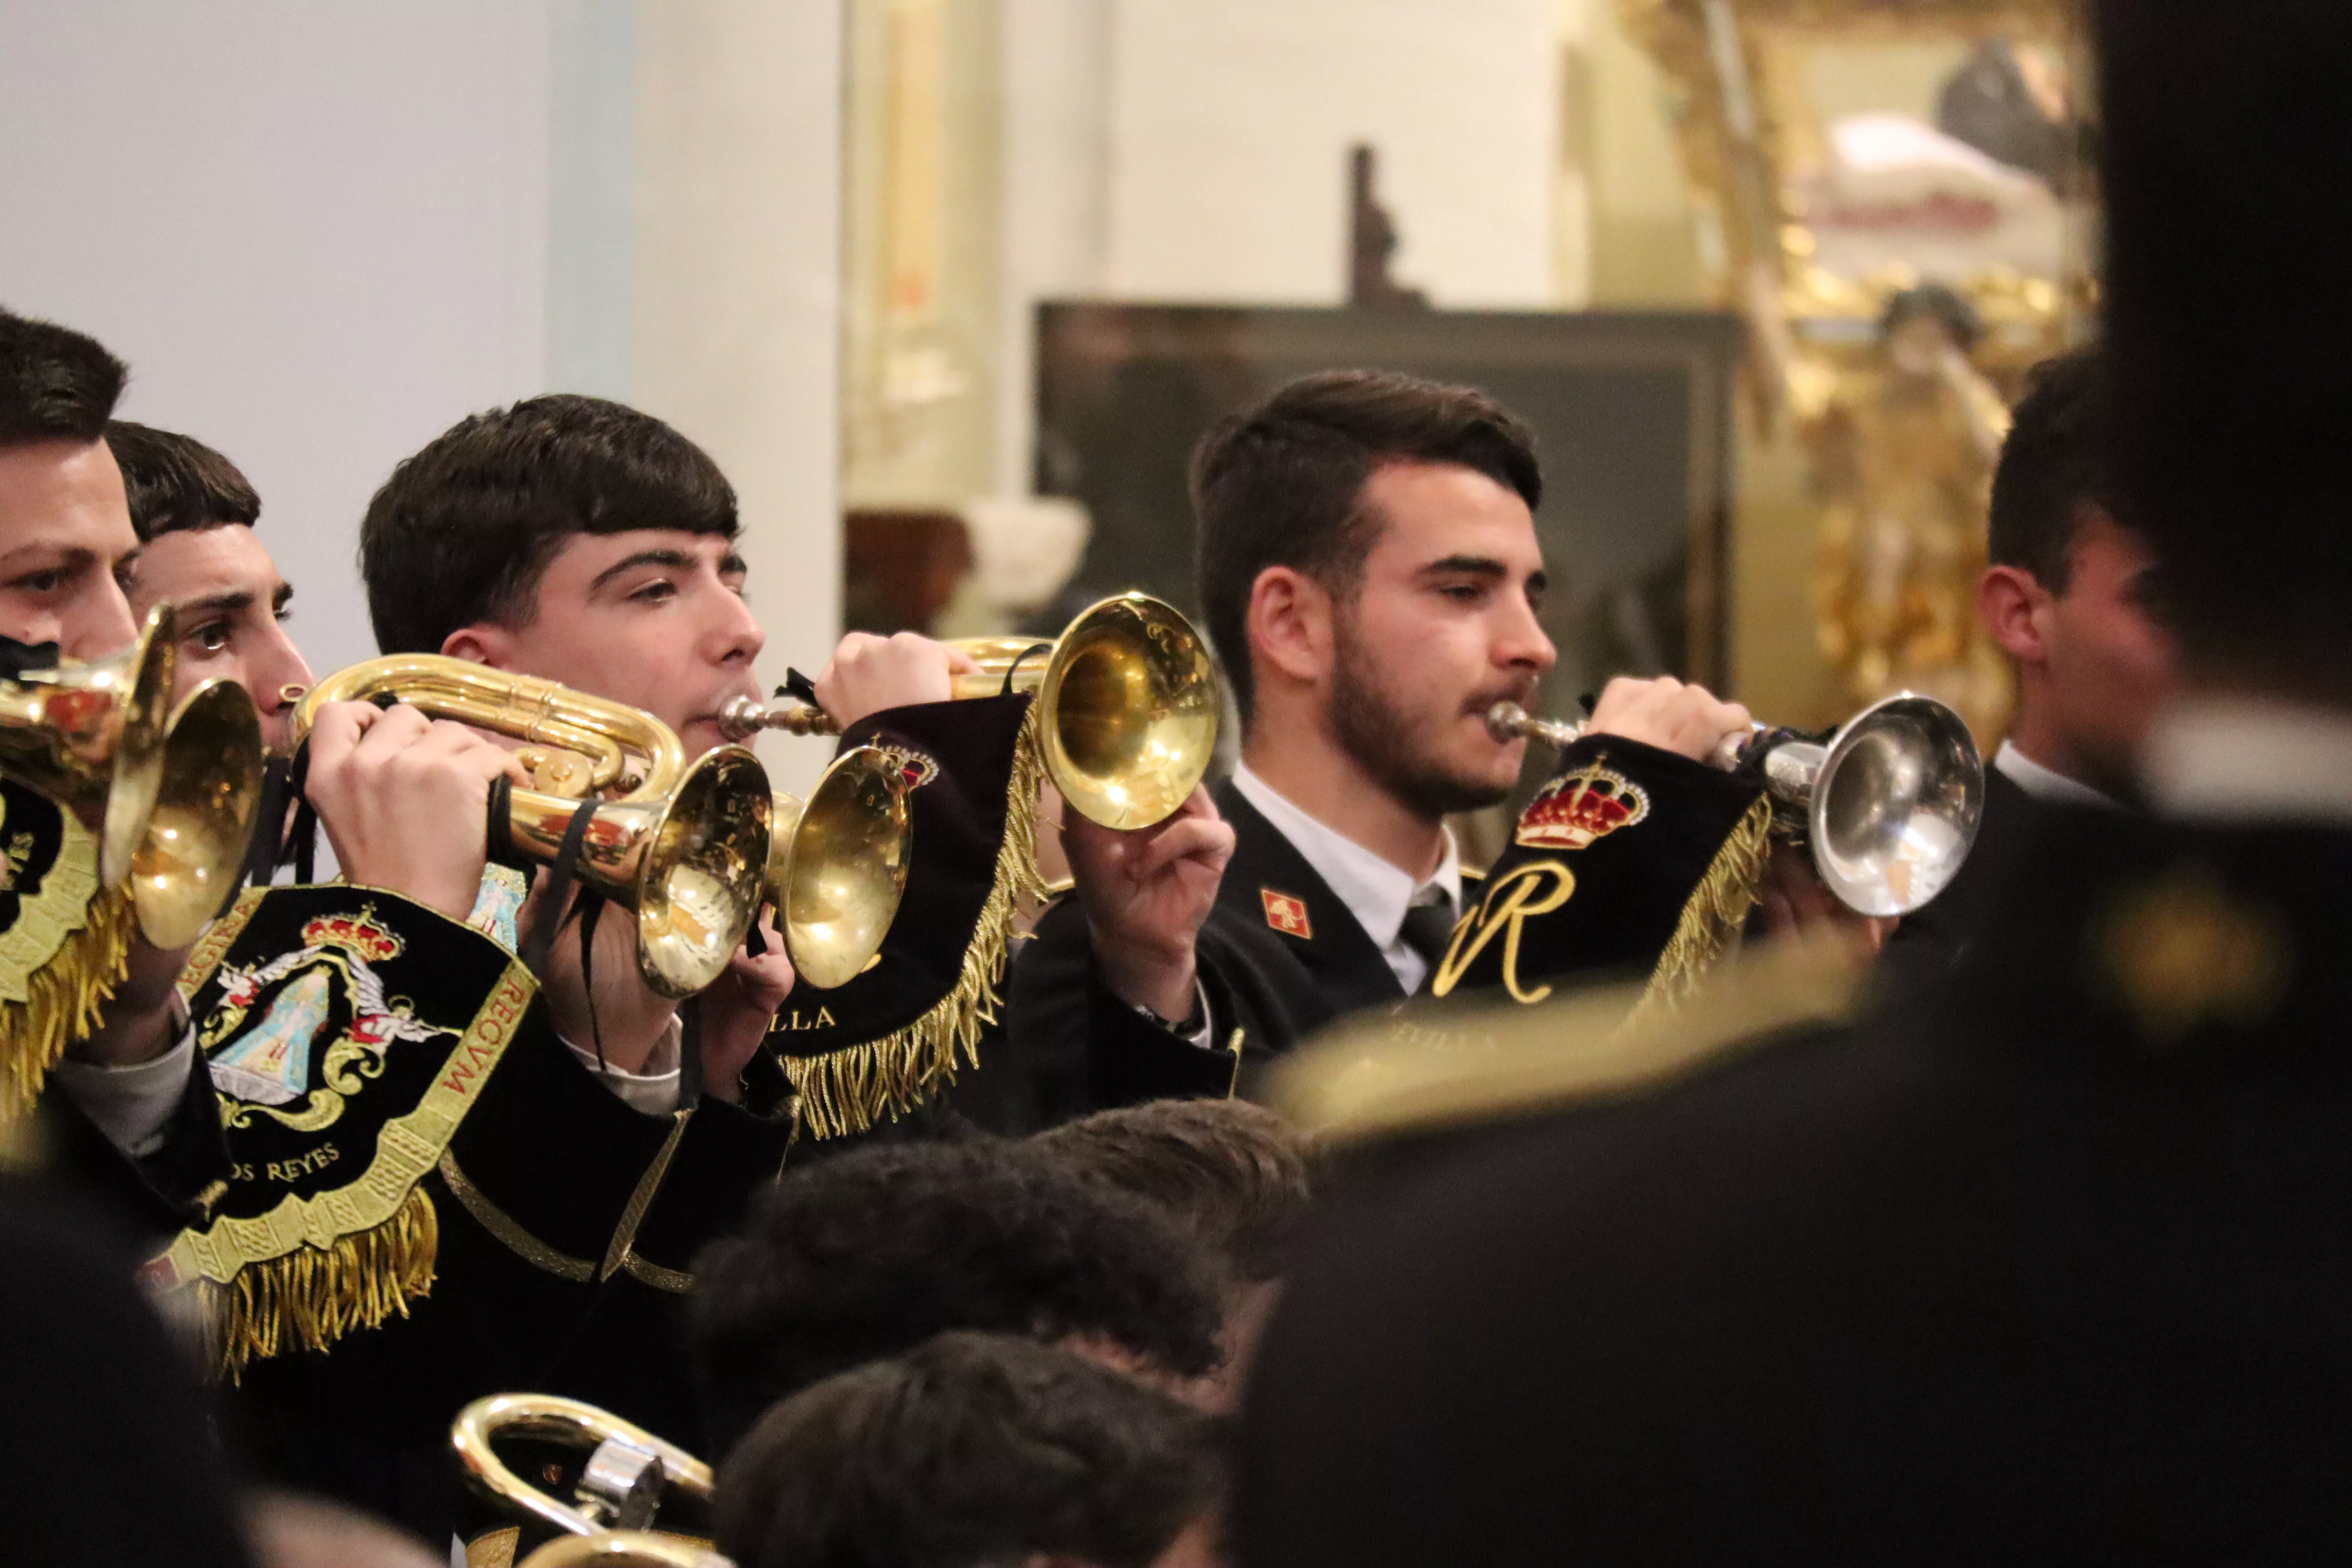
x=131, y=1105
x=1205, y=1037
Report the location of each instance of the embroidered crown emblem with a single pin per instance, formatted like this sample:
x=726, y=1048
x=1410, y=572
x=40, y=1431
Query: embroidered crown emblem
x=1577, y=808
x=358, y=934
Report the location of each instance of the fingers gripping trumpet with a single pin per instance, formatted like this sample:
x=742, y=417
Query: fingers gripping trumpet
x=1891, y=802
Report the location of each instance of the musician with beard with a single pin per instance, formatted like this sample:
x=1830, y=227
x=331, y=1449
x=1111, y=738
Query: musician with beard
x=1371, y=575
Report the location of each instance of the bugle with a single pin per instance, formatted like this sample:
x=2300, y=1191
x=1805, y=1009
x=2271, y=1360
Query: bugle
x=683, y=847
x=171, y=793
x=1891, y=802
x=627, y=1478
x=1126, y=701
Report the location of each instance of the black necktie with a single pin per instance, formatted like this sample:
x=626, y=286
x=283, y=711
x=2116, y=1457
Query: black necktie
x=1429, y=924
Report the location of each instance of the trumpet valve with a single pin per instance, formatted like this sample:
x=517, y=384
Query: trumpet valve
x=554, y=771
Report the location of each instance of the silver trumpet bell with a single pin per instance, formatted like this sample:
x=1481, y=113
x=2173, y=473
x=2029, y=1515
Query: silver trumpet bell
x=1890, y=803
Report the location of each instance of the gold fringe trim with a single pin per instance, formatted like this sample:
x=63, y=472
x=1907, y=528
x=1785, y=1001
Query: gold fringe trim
x=1712, y=918
x=314, y=1296
x=66, y=997
x=849, y=1089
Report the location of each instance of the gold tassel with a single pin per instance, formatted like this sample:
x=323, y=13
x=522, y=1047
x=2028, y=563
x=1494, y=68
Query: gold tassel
x=1712, y=918
x=314, y=1296
x=849, y=1090
x=65, y=997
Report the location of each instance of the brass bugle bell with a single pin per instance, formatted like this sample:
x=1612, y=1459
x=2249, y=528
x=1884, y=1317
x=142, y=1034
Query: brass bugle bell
x=1127, y=700
x=624, y=1549
x=622, y=1487
x=683, y=847
x=1891, y=802
x=171, y=793
x=837, y=865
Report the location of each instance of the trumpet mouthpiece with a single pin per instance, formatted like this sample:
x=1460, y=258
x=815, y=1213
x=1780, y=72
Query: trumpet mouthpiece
x=1507, y=720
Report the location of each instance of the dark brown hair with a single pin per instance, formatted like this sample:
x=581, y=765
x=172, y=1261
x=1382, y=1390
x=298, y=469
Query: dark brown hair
x=2050, y=469
x=462, y=533
x=176, y=482
x=1234, y=1175
x=1282, y=485
x=55, y=384
x=969, y=1451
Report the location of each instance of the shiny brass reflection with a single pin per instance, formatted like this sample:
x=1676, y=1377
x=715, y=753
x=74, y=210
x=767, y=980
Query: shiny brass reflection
x=837, y=866
x=624, y=1483
x=171, y=794
x=683, y=846
x=1127, y=697
x=1890, y=805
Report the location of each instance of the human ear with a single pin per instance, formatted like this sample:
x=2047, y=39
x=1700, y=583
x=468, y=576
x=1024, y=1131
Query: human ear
x=480, y=643
x=2012, y=599
x=1290, y=624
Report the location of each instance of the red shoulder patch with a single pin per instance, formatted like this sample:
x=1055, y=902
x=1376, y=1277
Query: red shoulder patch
x=1286, y=914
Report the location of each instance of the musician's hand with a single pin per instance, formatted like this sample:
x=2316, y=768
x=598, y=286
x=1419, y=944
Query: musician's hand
x=1667, y=714
x=868, y=674
x=1796, y=902
x=737, y=1009
x=1146, y=893
x=406, y=800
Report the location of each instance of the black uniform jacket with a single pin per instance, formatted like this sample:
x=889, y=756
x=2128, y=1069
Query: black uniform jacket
x=569, y=1224
x=2051, y=1265
x=1279, y=957
x=1930, y=940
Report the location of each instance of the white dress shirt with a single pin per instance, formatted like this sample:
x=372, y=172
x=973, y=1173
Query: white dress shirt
x=2047, y=786
x=1376, y=891
x=654, y=1091
x=2245, y=760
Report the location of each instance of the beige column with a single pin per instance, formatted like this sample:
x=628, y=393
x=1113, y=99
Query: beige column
x=738, y=291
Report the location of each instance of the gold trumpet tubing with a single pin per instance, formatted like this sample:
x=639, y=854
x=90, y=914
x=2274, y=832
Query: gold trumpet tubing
x=549, y=1415
x=612, y=849
x=521, y=707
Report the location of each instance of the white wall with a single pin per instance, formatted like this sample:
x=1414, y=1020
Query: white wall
x=317, y=233
x=1230, y=122
x=320, y=232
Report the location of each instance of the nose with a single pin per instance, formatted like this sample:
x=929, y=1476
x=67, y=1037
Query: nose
x=1522, y=642
x=98, y=623
x=736, y=638
x=276, y=665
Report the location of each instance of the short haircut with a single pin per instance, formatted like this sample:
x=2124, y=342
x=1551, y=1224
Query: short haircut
x=874, y=1252
x=969, y=1451
x=1234, y=1175
x=463, y=531
x=55, y=384
x=2225, y=143
x=1282, y=484
x=176, y=482
x=1955, y=314
x=2050, y=469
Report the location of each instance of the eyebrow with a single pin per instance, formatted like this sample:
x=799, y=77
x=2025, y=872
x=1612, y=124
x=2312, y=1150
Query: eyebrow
x=218, y=603
x=642, y=558
x=1485, y=566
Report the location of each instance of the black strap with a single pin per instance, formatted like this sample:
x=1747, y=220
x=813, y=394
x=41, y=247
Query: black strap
x=539, y=940
x=1019, y=660
x=302, y=837
x=799, y=688
x=268, y=826
x=499, y=845
x=689, y=1051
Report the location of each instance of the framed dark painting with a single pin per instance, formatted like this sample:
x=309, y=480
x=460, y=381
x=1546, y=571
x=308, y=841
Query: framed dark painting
x=1631, y=414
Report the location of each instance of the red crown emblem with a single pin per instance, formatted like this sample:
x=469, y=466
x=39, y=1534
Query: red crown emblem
x=358, y=934
x=1574, y=809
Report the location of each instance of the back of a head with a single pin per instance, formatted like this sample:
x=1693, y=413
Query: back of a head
x=1233, y=1174
x=969, y=1451
x=1280, y=484
x=462, y=532
x=55, y=384
x=2052, y=467
x=2226, y=137
x=874, y=1252
x=175, y=482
